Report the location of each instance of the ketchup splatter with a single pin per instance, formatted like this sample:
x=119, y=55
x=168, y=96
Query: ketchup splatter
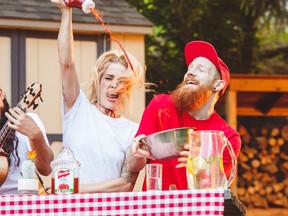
x=98, y=17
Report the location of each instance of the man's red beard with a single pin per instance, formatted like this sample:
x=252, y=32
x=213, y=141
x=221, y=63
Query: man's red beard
x=189, y=100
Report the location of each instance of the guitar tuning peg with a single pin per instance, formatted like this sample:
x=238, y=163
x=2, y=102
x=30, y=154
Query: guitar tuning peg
x=35, y=106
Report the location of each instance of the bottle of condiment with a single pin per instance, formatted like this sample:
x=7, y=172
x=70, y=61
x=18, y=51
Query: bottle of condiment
x=65, y=171
x=85, y=5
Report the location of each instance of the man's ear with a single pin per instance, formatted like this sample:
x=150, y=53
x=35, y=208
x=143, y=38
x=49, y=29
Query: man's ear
x=219, y=85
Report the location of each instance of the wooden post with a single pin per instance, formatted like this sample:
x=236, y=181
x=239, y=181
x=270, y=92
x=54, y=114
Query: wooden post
x=231, y=118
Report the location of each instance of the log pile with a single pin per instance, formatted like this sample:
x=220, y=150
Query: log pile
x=263, y=166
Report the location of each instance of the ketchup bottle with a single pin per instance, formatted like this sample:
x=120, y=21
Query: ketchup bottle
x=65, y=171
x=85, y=5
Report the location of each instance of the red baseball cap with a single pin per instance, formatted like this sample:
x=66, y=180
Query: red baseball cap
x=204, y=49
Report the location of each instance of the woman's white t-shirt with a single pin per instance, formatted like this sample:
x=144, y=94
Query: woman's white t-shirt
x=98, y=141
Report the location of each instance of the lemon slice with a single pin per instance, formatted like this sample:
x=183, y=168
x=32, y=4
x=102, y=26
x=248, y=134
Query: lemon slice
x=221, y=165
x=196, y=164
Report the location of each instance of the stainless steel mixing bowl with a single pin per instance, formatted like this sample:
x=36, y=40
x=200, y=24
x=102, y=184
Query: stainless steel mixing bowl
x=167, y=144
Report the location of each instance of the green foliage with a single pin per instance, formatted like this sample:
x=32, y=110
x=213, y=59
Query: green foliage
x=265, y=9
x=231, y=26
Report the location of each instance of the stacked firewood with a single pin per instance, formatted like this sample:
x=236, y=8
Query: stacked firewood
x=263, y=166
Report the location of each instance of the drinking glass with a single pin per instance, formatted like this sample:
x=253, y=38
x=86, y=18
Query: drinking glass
x=154, y=177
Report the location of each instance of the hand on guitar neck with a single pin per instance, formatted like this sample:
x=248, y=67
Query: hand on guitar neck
x=16, y=120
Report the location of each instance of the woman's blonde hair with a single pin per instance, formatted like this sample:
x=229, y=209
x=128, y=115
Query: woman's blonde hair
x=127, y=83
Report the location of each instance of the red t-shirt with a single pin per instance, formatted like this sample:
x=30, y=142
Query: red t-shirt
x=161, y=114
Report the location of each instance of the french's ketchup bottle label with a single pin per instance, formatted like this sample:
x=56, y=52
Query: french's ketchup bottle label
x=64, y=182
x=65, y=173
x=85, y=5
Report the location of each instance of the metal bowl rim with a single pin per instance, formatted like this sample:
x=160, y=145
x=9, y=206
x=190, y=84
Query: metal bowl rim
x=170, y=130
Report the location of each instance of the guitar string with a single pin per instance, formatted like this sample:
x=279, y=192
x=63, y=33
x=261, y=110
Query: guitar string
x=5, y=130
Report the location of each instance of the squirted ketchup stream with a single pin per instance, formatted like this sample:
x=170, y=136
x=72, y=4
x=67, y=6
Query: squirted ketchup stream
x=97, y=16
x=88, y=6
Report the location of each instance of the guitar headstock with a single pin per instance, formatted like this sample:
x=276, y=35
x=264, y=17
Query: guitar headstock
x=30, y=95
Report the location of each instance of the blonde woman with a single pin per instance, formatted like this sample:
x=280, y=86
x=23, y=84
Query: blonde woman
x=93, y=127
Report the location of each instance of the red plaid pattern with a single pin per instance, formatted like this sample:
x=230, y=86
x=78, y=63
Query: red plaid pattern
x=180, y=202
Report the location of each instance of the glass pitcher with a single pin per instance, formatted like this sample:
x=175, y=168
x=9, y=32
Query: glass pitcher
x=205, y=168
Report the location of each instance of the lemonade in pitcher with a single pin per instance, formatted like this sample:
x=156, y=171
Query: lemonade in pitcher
x=206, y=173
x=205, y=168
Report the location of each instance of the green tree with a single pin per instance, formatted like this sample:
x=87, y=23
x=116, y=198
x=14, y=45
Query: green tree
x=231, y=26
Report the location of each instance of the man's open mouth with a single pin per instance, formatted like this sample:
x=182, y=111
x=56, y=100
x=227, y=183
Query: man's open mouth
x=191, y=82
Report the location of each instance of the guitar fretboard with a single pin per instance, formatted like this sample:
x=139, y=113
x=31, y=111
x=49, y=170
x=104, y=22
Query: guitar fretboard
x=5, y=130
x=27, y=100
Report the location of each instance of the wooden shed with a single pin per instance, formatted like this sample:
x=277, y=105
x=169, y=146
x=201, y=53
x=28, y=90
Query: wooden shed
x=263, y=160
x=254, y=95
x=28, y=50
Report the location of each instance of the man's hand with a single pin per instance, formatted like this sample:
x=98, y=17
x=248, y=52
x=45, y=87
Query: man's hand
x=184, y=156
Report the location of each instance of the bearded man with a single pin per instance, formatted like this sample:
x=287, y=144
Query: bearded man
x=191, y=104
x=27, y=134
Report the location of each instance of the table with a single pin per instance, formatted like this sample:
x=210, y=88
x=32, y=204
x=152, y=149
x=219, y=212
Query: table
x=232, y=205
x=184, y=202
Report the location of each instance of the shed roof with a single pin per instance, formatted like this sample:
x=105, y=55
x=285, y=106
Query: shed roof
x=114, y=13
x=257, y=95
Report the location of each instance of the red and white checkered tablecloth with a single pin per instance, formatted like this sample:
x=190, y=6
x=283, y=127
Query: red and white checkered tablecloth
x=200, y=202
